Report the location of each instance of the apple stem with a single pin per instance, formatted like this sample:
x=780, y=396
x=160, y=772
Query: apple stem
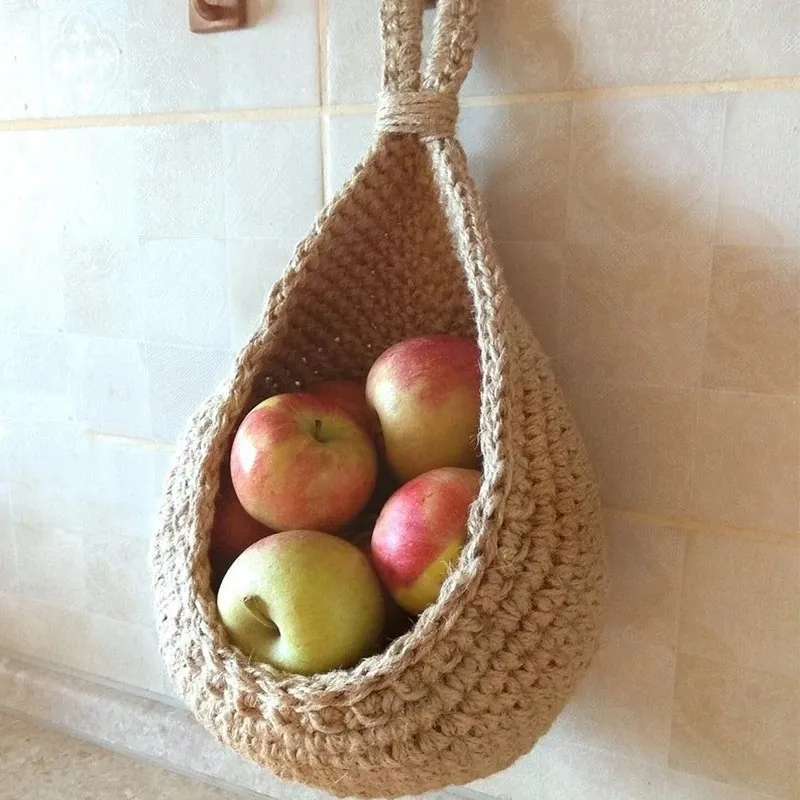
x=317, y=429
x=256, y=606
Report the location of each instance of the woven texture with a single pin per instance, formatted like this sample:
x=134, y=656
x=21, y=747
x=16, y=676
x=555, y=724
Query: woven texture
x=404, y=250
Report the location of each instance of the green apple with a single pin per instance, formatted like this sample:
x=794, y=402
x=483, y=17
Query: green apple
x=302, y=601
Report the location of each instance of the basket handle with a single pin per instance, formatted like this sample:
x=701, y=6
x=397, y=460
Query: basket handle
x=425, y=101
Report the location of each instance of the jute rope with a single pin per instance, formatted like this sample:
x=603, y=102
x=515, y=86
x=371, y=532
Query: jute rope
x=403, y=250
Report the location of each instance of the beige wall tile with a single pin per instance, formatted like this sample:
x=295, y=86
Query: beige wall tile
x=519, y=156
x=653, y=42
x=741, y=603
x=646, y=573
x=122, y=651
x=118, y=580
x=641, y=441
x=515, y=782
x=624, y=703
x=535, y=274
x=570, y=771
x=765, y=38
x=273, y=178
x=760, y=185
x=636, y=312
x=645, y=169
x=754, y=320
x=747, y=461
x=20, y=64
x=736, y=726
x=51, y=566
x=48, y=631
x=9, y=617
x=8, y=558
x=680, y=786
x=179, y=188
x=349, y=140
x=180, y=378
x=253, y=267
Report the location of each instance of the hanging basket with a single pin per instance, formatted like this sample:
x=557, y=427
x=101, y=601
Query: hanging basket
x=404, y=250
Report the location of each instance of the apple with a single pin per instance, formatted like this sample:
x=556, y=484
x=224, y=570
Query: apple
x=352, y=397
x=301, y=462
x=420, y=532
x=233, y=532
x=302, y=601
x=426, y=393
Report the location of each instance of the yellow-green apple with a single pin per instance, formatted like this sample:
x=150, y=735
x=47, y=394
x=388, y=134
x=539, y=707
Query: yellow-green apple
x=303, y=601
x=233, y=532
x=352, y=397
x=420, y=532
x=300, y=461
x=426, y=392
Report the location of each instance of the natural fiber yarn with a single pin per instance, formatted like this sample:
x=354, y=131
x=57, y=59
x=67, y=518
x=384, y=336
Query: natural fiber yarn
x=404, y=250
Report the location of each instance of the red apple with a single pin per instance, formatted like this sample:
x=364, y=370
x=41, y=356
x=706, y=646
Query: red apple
x=352, y=397
x=420, y=533
x=301, y=462
x=426, y=393
x=233, y=532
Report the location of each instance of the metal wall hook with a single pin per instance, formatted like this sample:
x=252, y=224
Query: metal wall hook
x=209, y=16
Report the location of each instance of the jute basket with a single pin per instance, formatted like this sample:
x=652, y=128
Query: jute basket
x=404, y=250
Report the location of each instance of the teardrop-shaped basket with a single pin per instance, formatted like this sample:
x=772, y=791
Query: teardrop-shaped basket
x=404, y=250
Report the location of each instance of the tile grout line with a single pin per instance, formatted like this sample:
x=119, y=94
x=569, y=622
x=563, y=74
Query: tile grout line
x=750, y=85
x=324, y=117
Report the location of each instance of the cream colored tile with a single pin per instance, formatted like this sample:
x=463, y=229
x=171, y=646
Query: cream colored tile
x=169, y=68
x=512, y=783
x=33, y=284
x=67, y=478
x=179, y=188
x=645, y=169
x=9, y=617
x=641, y=441
x=108, y=384
x=737, y=726
x=184, y=287
x=273, y=178
x=571, y=771
x=272, y=62
x=624, y=703
x=349, y=141
x=180, y=378
x=124, y=652
x=253, y=266
x=102, y=287
x=525, y=46
x=689, y=787
x=646, y=573
x=754, y=321
x=635, y=312
x=765, y=38
x=747, y=461
x=35, y=382
x=20, y=64
x=651, y=42
x=519, y=156
x=48, y=631
x=85, y=65
x=760, y=185
x=8, y=561
x=535, y=274
x=51, y=566
x=118, y=579
x=741, y=603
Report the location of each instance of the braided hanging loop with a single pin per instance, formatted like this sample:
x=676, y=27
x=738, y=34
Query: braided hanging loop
x=404, y=250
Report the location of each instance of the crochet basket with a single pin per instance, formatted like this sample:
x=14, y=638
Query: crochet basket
x=403, y=250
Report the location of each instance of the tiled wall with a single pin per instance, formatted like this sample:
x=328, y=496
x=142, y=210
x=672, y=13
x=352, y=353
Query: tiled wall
x=641, y=164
